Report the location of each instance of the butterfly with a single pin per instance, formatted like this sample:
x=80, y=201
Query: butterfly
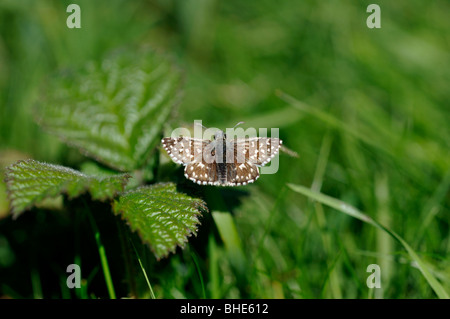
x=222, y=161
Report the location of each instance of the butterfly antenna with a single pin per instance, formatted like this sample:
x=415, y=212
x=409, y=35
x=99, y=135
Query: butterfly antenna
x=200, y=124
x=239, y=124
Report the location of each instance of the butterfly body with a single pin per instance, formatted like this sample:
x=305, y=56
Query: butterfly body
x=222, y=161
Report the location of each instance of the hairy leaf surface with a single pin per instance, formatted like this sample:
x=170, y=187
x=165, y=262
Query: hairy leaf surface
x=29, y=182
x=162, y=216
x=113, y=111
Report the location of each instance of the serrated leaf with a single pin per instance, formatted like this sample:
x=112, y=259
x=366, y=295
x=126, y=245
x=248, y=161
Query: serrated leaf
x=163, y=217
x=29, y=182
x=113, y=111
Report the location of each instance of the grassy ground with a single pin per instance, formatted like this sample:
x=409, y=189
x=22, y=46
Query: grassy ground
x=366, y=109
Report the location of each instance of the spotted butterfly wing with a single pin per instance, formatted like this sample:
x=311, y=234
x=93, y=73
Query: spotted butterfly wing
x=202, y=166
x=257, y=150
x=242, y=174
x=202, y=173
x=250, y=153
x=191, y=153
x=184, y=150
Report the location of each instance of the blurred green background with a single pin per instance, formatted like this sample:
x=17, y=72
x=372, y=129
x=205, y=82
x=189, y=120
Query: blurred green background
x=367, y=110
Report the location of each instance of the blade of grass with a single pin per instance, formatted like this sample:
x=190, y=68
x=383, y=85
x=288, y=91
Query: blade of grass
x=213, y=267
x=322, y=161
x=85, y=283
x=383, y=240
x=268, y=224
x=355, y=213
x=103, y=258
x=349, y=267
x=152, y=294
x=323, y=116
x=36, y=284
x=230, y=237
x=432, y=206
x=278, y=118
x=333, y=121
x=195, y=259
x=65, y=292
x=328, y=279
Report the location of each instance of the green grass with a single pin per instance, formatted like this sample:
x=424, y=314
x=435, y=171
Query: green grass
x=353, y=212
x=103, y=259
x=366, y=110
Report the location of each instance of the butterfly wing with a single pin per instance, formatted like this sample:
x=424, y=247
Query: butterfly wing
x=202, y=173
x=242, y=174
x=184, y=150
x=195, y=154
x=257, y=150
x=199, y=158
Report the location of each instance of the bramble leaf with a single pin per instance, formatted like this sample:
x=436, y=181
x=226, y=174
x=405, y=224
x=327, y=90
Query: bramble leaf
x=113, y=111
x=162, y=216
x=29, y=182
